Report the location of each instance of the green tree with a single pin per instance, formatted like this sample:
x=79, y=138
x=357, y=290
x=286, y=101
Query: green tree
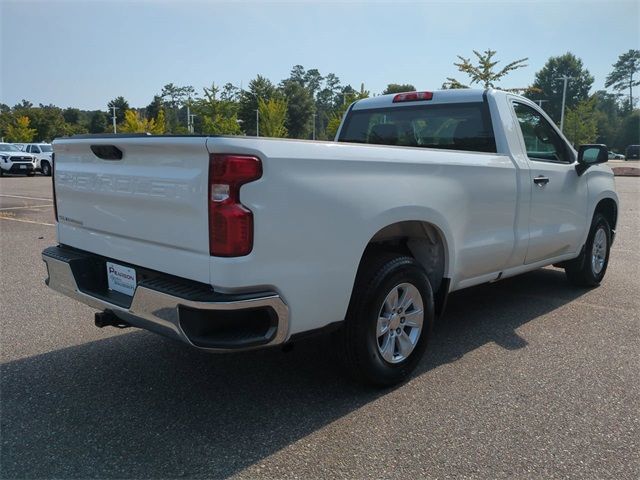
x=630, y=130
x=312, y=80
x=6, y=117
x=47, y=120
x=580, y=123
x=217, y=116
x=453, y=84
x=24, y=105
x=133, y=123
x=230, y=93
x=325, y=103
x=71, y=115
x=19, y=131
x=176, y=98
x=220, y=125
x=624, y=69
x=399, y=88
x=549, y=81
x=121, y=107
x=273, y=116
x=608, y=118
x=259, y=87
x=336, y=116
x=153, y=109
x=300, y=109
x=297, y=74
x=98, y=122
x=160, y=126
x=484, y=72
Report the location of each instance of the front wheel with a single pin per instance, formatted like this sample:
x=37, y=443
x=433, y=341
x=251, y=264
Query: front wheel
x=46, y=169
x=389, y=321
x=589, y=268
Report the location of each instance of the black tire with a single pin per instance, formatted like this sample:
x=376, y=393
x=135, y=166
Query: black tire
x=582, y=271
x=378, y=276
x=45, y=168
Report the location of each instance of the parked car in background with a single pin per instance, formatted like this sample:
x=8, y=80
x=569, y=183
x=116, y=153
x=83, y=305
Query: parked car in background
x=632, y=152
x=44, y=156
x=12, y=160
x=615, y=156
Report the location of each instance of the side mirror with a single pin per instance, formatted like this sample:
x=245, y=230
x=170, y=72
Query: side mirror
x=589, y=155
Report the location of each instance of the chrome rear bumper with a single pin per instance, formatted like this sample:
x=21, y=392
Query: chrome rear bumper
x=157, y=308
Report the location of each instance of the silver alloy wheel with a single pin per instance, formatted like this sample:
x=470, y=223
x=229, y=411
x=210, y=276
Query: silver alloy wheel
x=400, y=322
x=599, y=251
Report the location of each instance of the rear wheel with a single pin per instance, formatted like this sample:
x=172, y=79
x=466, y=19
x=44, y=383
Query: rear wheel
x=589, y=268
x=46, y=169
x=389, y=320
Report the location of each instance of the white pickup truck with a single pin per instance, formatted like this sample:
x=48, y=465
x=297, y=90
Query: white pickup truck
x=232, y=243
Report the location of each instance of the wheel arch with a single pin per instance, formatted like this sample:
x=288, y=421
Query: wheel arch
x=609, y=208
x=426, y=242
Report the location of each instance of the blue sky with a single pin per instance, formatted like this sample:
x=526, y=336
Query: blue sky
x=84, y=53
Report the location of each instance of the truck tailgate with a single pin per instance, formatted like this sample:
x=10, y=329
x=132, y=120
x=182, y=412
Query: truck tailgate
x=148, y=208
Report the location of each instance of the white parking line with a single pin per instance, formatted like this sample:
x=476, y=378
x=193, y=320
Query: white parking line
x=27, y=221
x=28, y=198
x=27, y=206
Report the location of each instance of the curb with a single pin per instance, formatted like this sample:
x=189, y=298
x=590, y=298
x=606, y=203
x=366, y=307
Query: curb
x=626, y=171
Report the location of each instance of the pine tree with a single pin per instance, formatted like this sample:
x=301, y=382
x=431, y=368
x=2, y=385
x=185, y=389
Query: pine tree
x=624, y=69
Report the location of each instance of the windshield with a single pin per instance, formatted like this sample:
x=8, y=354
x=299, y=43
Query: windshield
x=7, y=147
x=46, y=148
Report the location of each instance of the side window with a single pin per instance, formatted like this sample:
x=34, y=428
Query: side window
x=35, y=149
x=541, y=140
x=28, y=149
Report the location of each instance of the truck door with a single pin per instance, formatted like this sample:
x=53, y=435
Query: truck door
x=558, y=214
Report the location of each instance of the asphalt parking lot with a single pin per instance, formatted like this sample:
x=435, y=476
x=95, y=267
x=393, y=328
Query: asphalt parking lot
x=529, y=378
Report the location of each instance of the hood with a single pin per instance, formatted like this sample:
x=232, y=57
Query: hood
x=7, y=153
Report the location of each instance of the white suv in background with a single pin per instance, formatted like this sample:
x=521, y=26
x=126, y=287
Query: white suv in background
x=12, y=160
x=43, y=153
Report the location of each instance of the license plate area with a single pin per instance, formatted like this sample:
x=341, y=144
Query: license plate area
x=121, y=279
x=91, y=275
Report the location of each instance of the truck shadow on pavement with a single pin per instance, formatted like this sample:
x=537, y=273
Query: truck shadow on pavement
x=139, y=406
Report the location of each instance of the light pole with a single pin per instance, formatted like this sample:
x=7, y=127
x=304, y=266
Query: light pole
x=189, y=116
x=257, y=111
x=564, y=99
x=190, y=124
x=314, y=126
x=114, y=118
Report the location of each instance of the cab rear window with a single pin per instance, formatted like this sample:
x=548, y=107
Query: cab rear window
x=464, y=126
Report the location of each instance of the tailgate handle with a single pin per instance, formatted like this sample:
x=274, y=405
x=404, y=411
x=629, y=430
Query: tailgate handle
x=107, y=152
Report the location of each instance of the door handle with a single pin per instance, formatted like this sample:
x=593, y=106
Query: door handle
x=541, y=181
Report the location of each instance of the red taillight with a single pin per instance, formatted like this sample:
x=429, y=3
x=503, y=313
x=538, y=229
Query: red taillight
x=230, y=222
x=412, y=96
x=53, y=184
